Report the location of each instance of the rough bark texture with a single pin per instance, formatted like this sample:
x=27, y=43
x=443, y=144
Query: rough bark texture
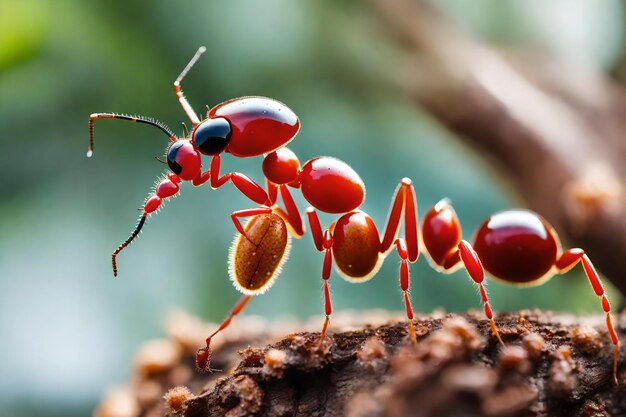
x=556, y=130
x=551, y=366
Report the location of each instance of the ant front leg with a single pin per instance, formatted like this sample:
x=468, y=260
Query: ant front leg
x=323, y=243
x=246, y=185
x=166, y=188
x=567, y=261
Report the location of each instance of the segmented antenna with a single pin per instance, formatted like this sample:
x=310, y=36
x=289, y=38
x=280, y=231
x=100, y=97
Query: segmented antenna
x=137, y=119
x=191, y=63
x=128, y=241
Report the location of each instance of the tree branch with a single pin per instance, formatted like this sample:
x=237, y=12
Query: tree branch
x=556, y=131
x=557, y=366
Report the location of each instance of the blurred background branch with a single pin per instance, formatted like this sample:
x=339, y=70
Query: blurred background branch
x=556, y=130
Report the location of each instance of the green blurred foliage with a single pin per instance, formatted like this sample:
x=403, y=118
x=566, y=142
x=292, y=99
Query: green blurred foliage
x=69, y=328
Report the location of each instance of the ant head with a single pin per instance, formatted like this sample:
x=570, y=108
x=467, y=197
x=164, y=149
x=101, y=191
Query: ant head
x=184, y=160
x=212, y=136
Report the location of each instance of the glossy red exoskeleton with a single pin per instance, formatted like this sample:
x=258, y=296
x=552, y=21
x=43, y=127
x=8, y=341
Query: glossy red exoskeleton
x=243, y=127
x=516, y=246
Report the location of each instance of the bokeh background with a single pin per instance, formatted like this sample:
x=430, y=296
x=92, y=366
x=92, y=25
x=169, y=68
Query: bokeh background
x=68, y=330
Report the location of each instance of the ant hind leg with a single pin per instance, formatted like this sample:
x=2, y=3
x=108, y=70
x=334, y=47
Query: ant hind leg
x=568, y=260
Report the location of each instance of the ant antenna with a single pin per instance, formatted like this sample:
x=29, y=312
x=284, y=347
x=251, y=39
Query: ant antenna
x=128, y=241
x=191, y=63
x=185, y=131
x=160, y=160
x=179, y=91
x=136, y=119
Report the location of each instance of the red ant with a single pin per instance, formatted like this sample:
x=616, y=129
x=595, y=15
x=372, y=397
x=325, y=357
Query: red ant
x=516, y=246
x=243, y=127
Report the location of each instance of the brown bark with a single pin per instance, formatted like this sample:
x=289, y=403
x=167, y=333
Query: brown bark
x=555, y=130
x=551, y=366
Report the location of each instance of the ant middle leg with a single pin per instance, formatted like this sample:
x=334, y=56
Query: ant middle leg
x=403, y=204
x=404, y=285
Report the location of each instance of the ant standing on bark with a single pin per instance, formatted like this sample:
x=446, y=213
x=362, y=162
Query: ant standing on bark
x=518, y=247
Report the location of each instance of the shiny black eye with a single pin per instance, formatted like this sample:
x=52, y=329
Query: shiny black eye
x=212, y=136
x=171, y=157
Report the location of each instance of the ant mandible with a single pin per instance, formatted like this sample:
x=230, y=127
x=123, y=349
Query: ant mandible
x=516, y=246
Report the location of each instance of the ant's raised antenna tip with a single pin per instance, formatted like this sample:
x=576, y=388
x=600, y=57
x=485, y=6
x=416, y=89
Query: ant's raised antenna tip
x=89, y=153
x=202, y=49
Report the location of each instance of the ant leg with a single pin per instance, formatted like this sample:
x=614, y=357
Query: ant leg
x=323, y=243
x=291, y=216
x=316, y=228
x=179, y=91
x=328, y=261
x=166, y=188
x=201, y=178
x=567, y=261
x=272, y=191
x=474, y=268
x=404, y=285
x=236, y=215
x=441, y=234
x=136, y=119
x=403, y=203
x=245, y=184
x=203, y=356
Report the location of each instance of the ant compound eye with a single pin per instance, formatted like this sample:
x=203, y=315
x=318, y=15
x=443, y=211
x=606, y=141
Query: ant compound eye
x=172, y=152
x=212, y=136
x=184, y=160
